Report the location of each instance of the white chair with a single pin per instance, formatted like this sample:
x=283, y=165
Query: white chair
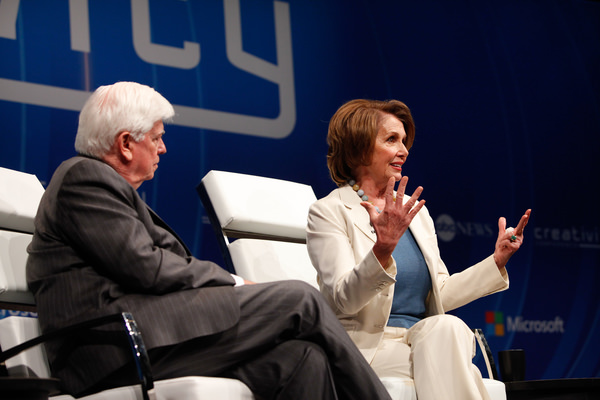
x=260, y=224
x=268, y=218
x=19, y=197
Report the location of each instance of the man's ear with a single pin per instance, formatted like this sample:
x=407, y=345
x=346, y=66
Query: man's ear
x=123, y=144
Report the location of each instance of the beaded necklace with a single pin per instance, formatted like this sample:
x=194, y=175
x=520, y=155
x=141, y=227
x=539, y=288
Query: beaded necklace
x=361, y=193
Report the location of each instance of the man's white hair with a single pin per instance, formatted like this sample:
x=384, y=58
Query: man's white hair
x=116, y=108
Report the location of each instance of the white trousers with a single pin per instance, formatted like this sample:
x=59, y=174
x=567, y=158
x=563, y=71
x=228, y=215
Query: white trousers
x=437, y=354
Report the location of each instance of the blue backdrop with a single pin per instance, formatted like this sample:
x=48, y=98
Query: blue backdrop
x=505, y=95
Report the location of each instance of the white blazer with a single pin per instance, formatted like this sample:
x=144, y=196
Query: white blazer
x=340, y=239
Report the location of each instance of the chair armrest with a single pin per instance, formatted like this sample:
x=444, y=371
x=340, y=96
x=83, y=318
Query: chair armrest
x=127, y=323
x=487, y=354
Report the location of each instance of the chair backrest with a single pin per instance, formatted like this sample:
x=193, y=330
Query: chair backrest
x=13, y=258
x=20, y=195
x=267, y=217
x=267, y=260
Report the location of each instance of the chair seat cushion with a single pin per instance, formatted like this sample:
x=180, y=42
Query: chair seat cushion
x=404, y=388
x=184, y=388
x=496, y=389
x=267, y=261
x=400, y=388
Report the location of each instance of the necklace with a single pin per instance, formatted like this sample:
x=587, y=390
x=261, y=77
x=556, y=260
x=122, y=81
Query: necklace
x=361, y=193
x=358, y=190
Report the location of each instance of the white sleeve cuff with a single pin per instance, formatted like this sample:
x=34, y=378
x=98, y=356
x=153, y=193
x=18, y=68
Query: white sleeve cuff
x=239, y=281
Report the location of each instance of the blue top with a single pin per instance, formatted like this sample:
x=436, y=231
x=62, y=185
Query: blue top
x=413, y=283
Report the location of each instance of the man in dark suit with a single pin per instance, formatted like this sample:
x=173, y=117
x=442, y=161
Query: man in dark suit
x=98, y=249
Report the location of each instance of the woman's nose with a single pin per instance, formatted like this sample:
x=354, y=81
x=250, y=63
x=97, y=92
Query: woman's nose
x=402, y=150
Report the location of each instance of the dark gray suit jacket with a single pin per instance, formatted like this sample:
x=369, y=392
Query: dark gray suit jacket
x=98, y=249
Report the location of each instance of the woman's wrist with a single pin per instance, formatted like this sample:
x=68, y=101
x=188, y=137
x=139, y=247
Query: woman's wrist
x=383, y=253
x=499, y=262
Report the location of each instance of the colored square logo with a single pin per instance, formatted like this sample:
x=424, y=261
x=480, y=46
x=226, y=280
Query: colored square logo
x=494, y=323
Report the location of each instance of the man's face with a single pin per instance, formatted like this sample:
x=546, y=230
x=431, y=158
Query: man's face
x=145, y=154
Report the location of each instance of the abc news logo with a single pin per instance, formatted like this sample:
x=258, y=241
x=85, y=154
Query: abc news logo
x=447, y=228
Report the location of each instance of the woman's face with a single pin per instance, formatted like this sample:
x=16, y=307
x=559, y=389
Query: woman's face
x=389, y=152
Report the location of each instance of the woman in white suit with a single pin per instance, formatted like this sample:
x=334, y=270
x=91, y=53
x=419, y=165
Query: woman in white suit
x=378, y=261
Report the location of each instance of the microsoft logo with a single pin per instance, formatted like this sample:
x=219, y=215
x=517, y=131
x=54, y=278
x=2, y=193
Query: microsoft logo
x=494, y=323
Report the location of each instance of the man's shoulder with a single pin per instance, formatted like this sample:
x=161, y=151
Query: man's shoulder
x=83, y=162
x=76, y=165
x=84, y=172
x=86, y=168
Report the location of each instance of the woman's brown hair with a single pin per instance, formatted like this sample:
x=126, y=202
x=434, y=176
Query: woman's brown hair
x=352, y=132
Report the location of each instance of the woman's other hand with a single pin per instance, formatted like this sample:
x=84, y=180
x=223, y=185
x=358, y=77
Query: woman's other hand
x=509, y=239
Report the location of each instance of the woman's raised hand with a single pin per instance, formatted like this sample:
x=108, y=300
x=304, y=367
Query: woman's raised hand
x=391, y=223
x=509, y=239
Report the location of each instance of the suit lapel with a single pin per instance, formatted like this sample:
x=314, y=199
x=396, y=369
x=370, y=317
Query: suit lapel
x=159, y=222
x=420, y=234
x=422, y=237
x=359, y=215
